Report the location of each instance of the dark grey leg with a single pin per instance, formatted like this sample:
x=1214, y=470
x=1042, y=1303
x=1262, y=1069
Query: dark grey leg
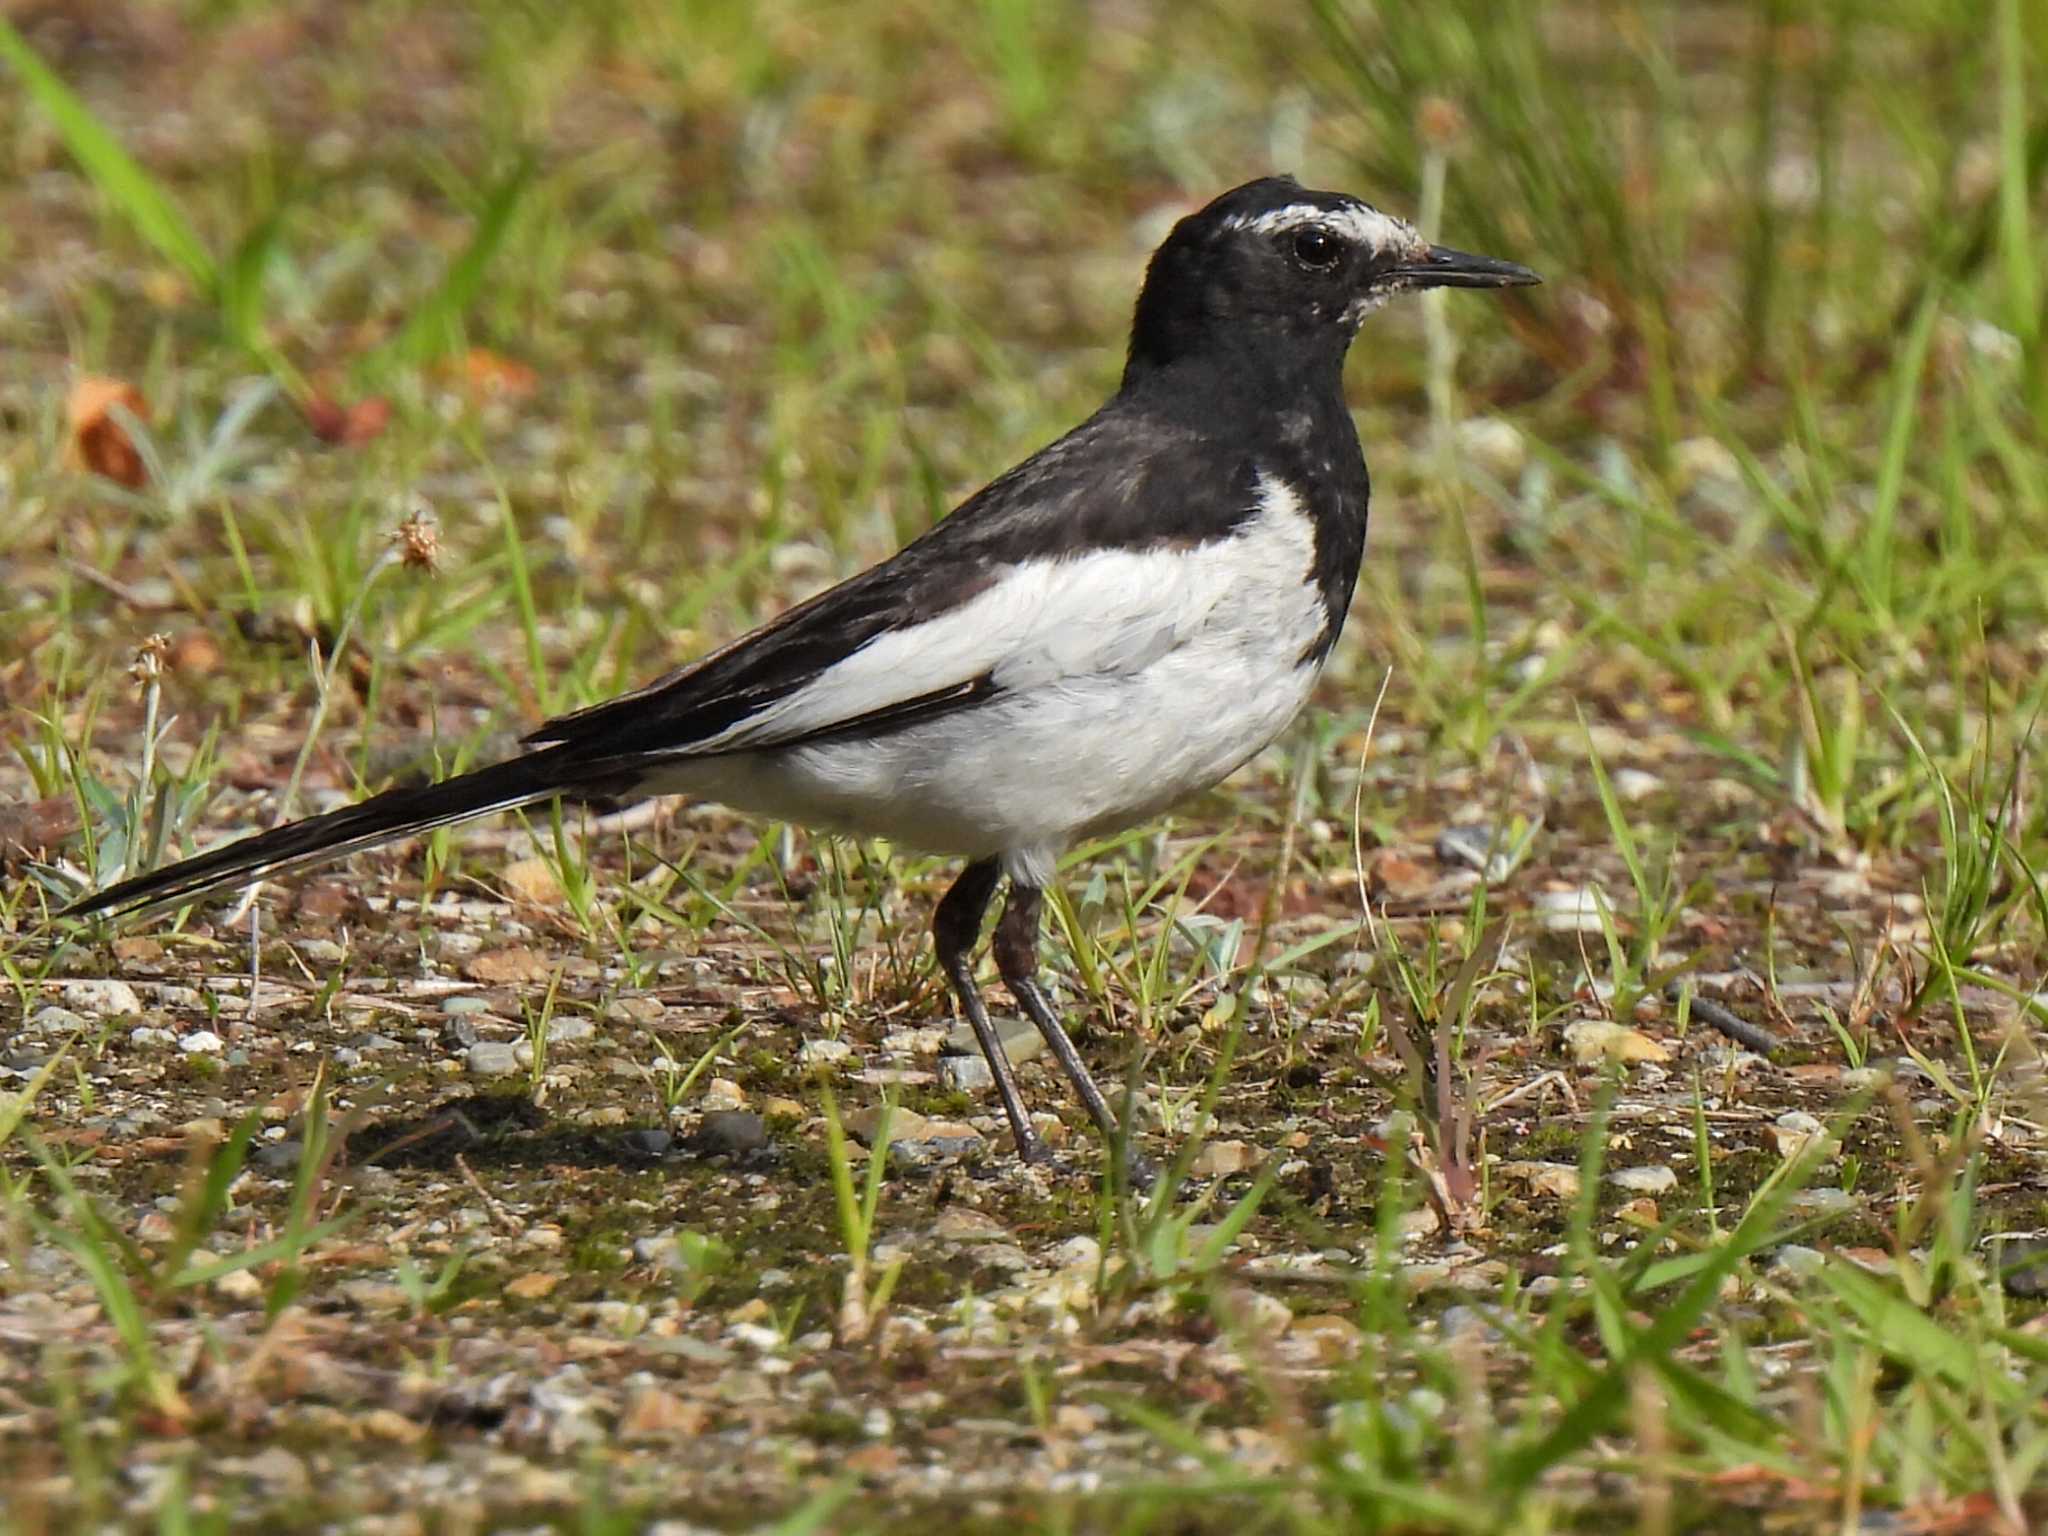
x=956, y=929
x=1016, y=947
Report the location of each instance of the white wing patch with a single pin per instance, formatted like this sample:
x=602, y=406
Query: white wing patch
x=1357, y=222
x=1106, y=613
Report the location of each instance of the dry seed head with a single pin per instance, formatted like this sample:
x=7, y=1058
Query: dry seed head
x=148, y=665
x=1439, y=122
x=419, y=540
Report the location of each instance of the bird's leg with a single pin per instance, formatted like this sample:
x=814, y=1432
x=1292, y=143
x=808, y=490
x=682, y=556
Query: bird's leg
x=956, y=929
x=1016, y=947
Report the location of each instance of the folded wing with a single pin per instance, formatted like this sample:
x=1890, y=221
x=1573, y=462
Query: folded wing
x=1055, y=568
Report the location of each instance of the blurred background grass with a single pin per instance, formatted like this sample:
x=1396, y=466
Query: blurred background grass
x=722, y=301
x=671, y=314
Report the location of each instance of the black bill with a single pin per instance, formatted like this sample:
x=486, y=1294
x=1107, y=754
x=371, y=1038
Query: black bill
x=1446, y=268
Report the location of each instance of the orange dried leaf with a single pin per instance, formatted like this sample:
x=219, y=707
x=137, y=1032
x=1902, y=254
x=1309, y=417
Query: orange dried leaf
x=484, y=374
x=98, y=442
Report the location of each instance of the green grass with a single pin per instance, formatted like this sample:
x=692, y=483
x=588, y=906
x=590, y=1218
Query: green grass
x=1711, y=576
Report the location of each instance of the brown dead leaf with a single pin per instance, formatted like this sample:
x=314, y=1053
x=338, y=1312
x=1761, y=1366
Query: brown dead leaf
x=98, y=442
x=195, y=653
x=507, y=967
x=327, y=901
x=533, y=1285
x=1397, y=876
x=344, y=426
x=31, y=829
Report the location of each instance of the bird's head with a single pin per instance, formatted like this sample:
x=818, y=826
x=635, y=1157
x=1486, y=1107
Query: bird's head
x=1272, y=267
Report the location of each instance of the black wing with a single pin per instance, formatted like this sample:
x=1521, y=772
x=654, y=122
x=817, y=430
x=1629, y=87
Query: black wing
x=1121, y=480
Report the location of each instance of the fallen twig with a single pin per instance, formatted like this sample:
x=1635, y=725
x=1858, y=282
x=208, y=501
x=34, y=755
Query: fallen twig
x=1729, y=1023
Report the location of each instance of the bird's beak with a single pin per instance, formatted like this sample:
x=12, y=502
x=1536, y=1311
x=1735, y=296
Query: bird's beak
x=1442, y=267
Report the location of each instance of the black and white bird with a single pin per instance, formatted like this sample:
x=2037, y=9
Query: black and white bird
x=1115, y=624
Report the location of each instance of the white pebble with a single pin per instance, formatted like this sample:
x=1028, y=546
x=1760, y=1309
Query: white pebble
x=821, y=1053
x=102, y=995
x=1650, y=1179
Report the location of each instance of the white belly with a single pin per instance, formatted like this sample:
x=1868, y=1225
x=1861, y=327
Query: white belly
x=1026, y=774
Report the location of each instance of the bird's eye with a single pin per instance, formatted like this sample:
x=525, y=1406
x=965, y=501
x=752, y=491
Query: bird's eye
x=1317, y=248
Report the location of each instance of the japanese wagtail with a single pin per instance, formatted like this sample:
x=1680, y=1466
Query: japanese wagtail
x=1113, y=625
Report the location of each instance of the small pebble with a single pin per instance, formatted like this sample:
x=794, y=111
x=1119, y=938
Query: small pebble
x=1461, y=1320
x=723, y=1093
x=965, y=1224
x=459, y=1035
x=239, y=1285
x=493, y=1058
x=822, y=1053
x=1492, y=853
x=635, y=1010
x=1220, y=1159
x=1798, y=1260
x=464, y=1003
x=1020, y=1037
x=650, y=1143
x=1570, y=911
x=1634, y=783
x=1496, y=445
x=2023, y=1266
x=660, y=1248
x=732, y=1131
x=936, y=1149
x=965, y=1074
x=103, y=996
x=567, y=1031
x=1824, y=1199
x=1649, y=1179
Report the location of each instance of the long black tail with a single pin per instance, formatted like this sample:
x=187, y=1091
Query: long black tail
x=395, y=813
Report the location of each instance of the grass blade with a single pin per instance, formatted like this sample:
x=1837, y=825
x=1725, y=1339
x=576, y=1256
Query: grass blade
x=110, y=167
x=435, y=326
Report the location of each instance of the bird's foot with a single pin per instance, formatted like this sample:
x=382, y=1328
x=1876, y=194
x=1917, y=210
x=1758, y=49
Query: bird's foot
x=1140, y=1171
x=1033, y=1151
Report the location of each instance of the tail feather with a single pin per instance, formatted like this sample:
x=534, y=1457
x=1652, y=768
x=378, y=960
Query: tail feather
x=380, y=819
